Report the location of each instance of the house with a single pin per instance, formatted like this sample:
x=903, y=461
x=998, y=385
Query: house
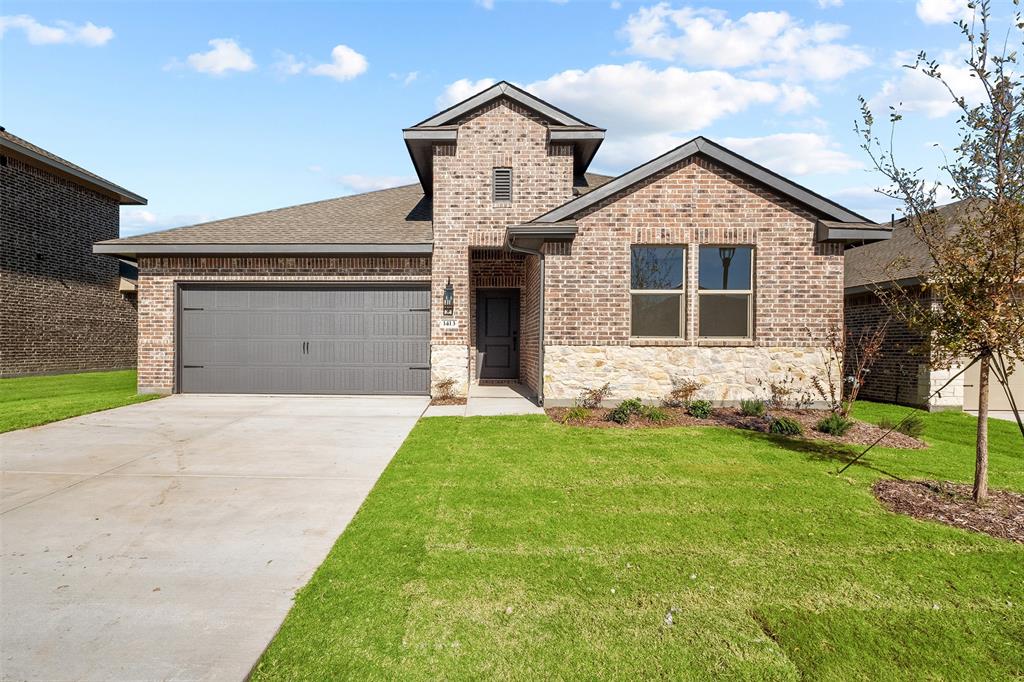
x=62, y=307
x=507, y=262
x=902, y=373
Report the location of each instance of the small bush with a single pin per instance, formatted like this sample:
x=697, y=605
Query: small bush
x=785, y=426
x=912, y=426
x=625, y=410
x=835, y=424
x=682, y=392
x=654, y=414
x=752, y=408
x=445, y=389
x=591, y=398
x=576, y=415
x=701, y=409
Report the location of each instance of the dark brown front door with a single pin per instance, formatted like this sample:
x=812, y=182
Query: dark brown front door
x=497, y=333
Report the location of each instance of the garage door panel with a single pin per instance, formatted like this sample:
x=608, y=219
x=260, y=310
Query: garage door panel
x=346, y=340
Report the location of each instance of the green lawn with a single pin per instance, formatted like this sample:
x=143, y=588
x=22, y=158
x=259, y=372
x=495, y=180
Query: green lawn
x=30, y=401
x=516, y=548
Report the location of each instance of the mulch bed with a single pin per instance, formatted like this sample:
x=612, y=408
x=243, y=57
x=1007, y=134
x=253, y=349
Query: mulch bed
x=1001, y=515
x=862, y=433
x=448, y=401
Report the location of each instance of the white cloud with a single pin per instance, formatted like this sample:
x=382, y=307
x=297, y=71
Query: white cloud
x=646, y=110
x=225, y=55
x=486, y=4
x=88, y=34
x=825, y=4
x=616, y=4
x=943, y=11
x=288, y=64
x=773, y=43
x=912, y=91
x=345, y=64
x=794, y=153
x=462, y=89
x=140, y=221
x=369, y=183
x=407, y=79
x=315, y=168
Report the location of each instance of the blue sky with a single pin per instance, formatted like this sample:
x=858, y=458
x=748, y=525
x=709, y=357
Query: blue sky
x=217, y=109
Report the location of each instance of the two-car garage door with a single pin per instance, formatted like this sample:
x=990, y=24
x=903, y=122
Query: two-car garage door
x=360, y=339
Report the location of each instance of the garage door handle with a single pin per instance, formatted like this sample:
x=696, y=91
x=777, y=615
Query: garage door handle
x=192, y=366
x=419, y=310
x=426, y=367
x=193, y=308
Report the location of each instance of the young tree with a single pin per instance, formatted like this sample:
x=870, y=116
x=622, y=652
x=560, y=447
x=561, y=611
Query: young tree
x=972, y=305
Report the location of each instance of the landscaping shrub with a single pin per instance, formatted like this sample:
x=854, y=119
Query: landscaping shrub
x=625, y=410
x=785, y=426
x=445, y=389
x=682, y=392
x=701, y=409
x=591, y=398
x=753, y=408
x=835, y=424
x=912, y=426
x=654, y=414
x=576, y=415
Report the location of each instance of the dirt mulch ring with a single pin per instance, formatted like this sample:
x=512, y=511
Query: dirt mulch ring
x=862, y=433
x=448, y=401
x=1001, y=516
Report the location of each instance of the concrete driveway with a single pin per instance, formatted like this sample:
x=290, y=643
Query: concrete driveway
x=165, y=540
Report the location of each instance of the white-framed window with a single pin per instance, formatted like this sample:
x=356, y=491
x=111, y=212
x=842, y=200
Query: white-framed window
x=657, y=291
x=725, y=292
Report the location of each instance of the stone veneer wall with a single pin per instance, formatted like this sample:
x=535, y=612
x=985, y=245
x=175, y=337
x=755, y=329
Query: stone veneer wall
x=798, y=289
x=60, y=308
x=499, y=134
x=728, y=374
x=158, y=276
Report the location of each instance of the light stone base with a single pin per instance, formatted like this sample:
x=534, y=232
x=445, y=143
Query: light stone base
x=949, y=398
x=450, y=361
x=729, y=374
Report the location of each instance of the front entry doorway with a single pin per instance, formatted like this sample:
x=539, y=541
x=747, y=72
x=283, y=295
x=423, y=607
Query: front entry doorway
x=497, y=333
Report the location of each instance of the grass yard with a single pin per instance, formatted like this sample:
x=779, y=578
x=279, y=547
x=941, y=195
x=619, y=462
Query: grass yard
x=517, y=548
x=31, y=401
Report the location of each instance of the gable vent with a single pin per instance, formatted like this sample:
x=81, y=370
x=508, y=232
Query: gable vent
x=502, y=184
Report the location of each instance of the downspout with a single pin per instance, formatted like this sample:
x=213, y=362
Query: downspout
x=510, y=240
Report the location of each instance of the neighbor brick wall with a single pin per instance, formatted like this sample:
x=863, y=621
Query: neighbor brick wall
x=798, y=282
x=60, y=309
x=900, y=374
x=157, y=278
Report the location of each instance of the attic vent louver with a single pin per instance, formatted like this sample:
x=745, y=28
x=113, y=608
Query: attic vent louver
x=502, y=184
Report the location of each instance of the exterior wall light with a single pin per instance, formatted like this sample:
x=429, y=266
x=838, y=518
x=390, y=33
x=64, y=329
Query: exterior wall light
x=448, y=302
x=726, y=253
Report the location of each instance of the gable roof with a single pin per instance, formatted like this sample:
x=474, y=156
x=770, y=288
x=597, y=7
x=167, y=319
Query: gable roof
x=395, y=220
x=871, y=266
x=15, y=145
x=441, y=128
x=824, y=208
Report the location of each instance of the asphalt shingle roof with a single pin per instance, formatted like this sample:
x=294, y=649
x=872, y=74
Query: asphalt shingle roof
x=400, y=215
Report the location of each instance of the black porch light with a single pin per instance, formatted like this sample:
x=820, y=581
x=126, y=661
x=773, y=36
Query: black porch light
x=726, y=253
x=448, y=302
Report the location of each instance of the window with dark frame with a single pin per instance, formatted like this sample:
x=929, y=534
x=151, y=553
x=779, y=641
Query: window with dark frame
x=502, y=184
x=725, y=292
x=658, y=291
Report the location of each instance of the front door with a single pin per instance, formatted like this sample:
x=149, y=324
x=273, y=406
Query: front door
x=497, y=336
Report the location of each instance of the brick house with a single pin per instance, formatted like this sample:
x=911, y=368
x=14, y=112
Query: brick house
x=62, y=307
x=903, y=373
x=507, y=262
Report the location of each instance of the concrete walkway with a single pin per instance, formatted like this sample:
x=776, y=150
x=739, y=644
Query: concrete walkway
x=1005, y=415
x=489, y=401
x=165, y=540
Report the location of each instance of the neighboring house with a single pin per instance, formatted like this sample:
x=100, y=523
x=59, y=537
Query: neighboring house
x=903, y=374
x=508, y=262
x=62, y=307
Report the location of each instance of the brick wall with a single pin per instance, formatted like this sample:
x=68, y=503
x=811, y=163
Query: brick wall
x=157, y=278
x=798, y=282
x=60, y=309
x=900, y=374
x=501, y=134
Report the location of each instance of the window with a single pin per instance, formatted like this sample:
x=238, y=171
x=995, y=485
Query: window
x=502, y=184
x=725, y=291
x=657, y=287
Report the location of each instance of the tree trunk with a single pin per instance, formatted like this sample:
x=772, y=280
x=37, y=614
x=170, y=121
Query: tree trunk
x=981, y=456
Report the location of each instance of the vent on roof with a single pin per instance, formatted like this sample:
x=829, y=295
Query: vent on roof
x=502, y=184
